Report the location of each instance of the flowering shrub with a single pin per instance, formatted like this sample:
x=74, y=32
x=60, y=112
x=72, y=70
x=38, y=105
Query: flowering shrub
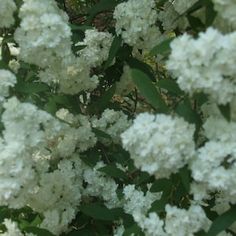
x=118, y=117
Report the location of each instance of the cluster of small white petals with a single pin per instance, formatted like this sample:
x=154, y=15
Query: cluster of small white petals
x=97, y=47
x=226, y=9
x=11, y=228
x=202, y=65
x=72, y=74
x=136, y=202
x=14, y=50
x=21, y=137
x=77, y=135
x=57, y=195
x=159, y=144
x=7, y=80
x=43, y=31
x=125, y=85
x=98, y=185
x=215, y=163
x=112, y=123
x=181, y=222
x=119, y=230
x=151, y=225
x=135, y=22
x=8, y=7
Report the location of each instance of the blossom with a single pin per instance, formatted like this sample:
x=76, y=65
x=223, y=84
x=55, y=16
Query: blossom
x=159, y=144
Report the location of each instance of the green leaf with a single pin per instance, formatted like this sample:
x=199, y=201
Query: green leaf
x=133, y=230
x=101, y=134
x=148, y=90
x=222, y=222
x=38, y=231
x=113, y=171
x=145, y=68
x=210, y=13
x=100, y=212
x=34, y=87
x=115, y=46
x=101, y=6
x=185, y=177
x=185, y=110
x=103, y=101
x=170, y=85
x=6, y=54
x=163, y=48
x=225, y=111
x=161, y=185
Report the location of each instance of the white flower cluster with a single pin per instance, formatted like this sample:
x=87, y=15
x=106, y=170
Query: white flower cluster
x=179, y=222
x=8, y=7
x=43, y=31
x=159, y=144
x=57, y=194
x=99, y=185
x=12, y=228
x=136, y=202
x=215, y=163
x=77, y=135
x=7, y=80
x=135, y=22
x=97, y=47
x=21, y=137
x=112, y=123
x=202, y=65
x=227, y=10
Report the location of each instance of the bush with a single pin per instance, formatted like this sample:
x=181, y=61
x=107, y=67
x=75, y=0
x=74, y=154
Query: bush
x=118, y=117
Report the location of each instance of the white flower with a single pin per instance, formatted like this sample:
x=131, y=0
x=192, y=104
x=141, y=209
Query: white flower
x=43, y=33
x=12, y=228
x=159, y=144
x=113, y=123
x=181, y=222
x=97, y=47
x=135, y=22
x=7, y=80
x=8, y=7
x=203, y=65
x=226, y=9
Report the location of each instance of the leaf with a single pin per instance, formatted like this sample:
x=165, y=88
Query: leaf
x=101, y=134
x=102, y=5
x=147, y=69
x=163, y=48
x=210, y=13
x=38, y=231
x=185, y=178
x=170, y=85
x=100, y=212
x=148, y=90
x=113, y=171
x=103, y=101
x=222, y=222
x=184, y=109
x=34, y=87
x=115, y=46
x=6, y=54
x=133, y=230
x=195, y=23
x=225, y=111
x=161, y=185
